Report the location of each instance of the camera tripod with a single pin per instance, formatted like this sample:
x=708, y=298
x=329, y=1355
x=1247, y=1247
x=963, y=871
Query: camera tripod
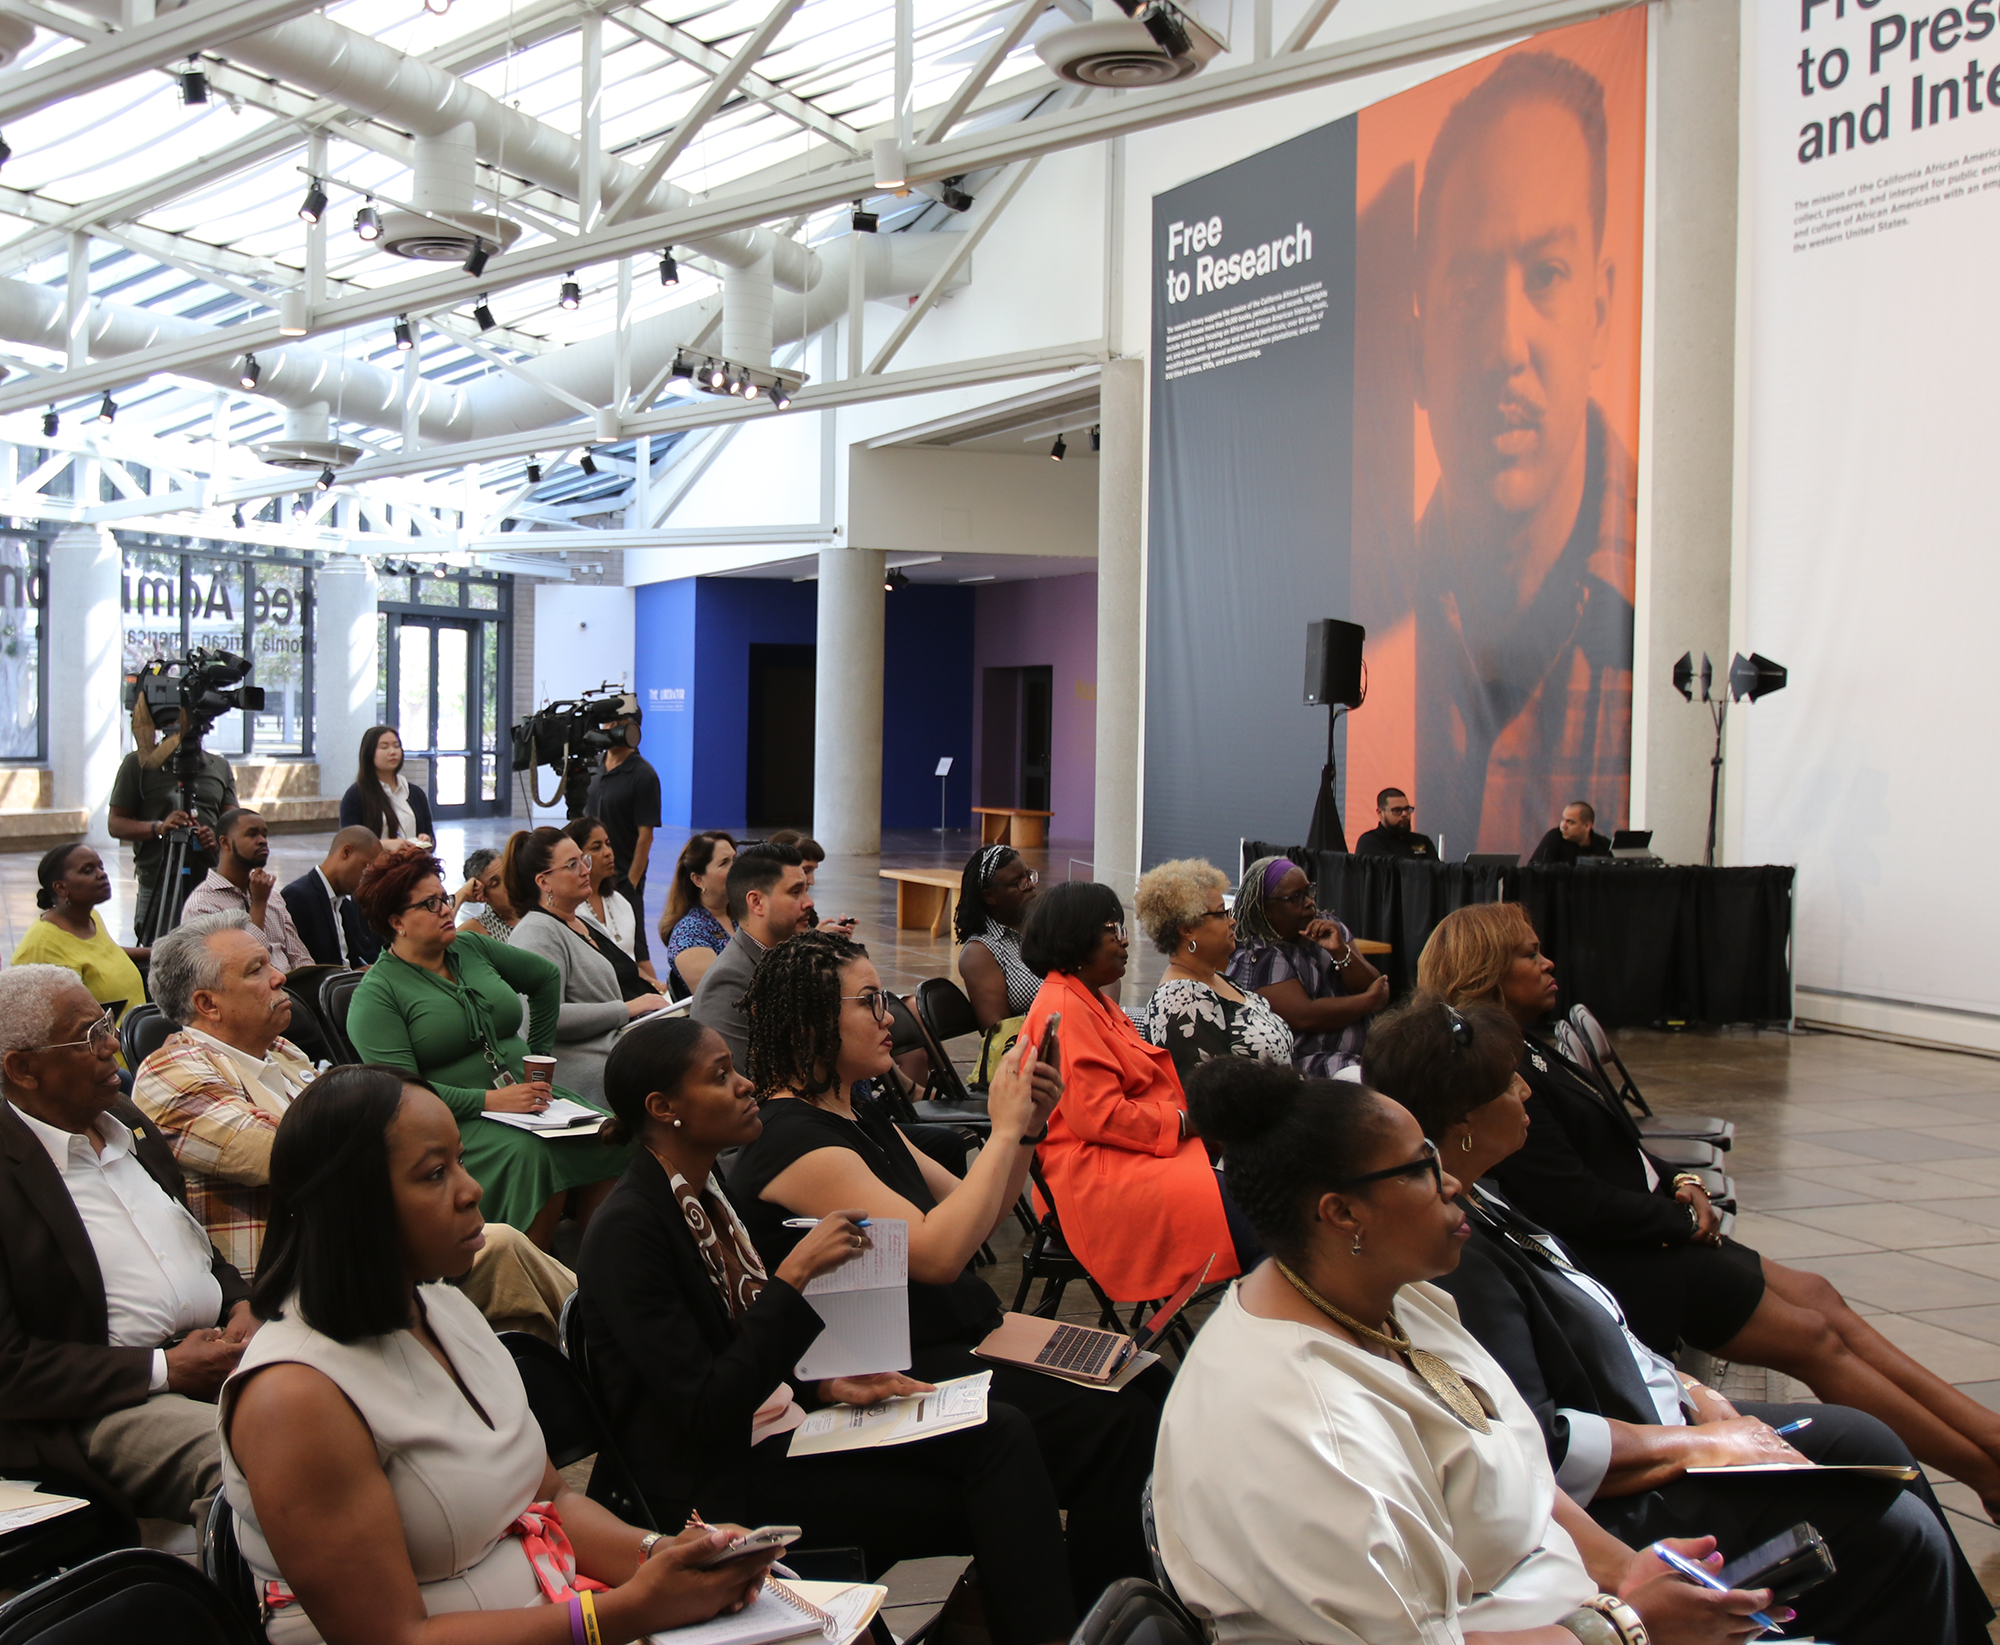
x=177, y=874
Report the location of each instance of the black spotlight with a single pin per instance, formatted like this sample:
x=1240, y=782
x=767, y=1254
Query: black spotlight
x=313, y=206
x=750, y=390
x=1684, y=675
x=6, y=152
x=483, y=314
x=1096, y=437
x=735, y=383
x=534, y=472
x=1164, y=24
x=50, y=423
x=894, y=580
x=368, y=222
x=406, y=339
x=715, y=375
x=237, y=517
x=1059, y=448
x=251, y=371
x=107, y=410
x=681, y=369
x=194, y=87
x=954, y=197
x=325, y=480
x=584, y=462
x=475, y=259
x=781, y=397
x=572, y=293
x=1754, y=676
x=1707, y=679
x=670, y=271
x=865, y=221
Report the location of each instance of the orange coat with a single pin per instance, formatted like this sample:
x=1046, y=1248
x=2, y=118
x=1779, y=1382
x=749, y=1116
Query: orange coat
x=1140, y=1207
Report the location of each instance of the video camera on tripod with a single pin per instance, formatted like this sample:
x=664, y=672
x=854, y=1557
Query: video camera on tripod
x=178, y=701
x=564, y=735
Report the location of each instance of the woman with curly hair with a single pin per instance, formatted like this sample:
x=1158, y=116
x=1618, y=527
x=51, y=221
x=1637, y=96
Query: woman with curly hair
x=444, y=1006
x=1306, y=965
x=819, y=1026
x=1197, y=1012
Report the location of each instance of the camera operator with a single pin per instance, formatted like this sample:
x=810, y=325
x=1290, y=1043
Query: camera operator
x=144, y=808
x=625, y=797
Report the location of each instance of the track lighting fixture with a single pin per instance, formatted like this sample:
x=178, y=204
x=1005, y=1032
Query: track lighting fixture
x=534, y=472
x=714, y=375
x=325, y=480
x=437, y=8
x=1056, y=451
x=107, y=410
x=572, y=293
x=368, y=221
x=749, y=387
x=896, y=579
x=6, y=152
x=313, y=206
x=670, y=272
x=483, y=314
x=475, y=259
x=954, y=197
x=406, y=339
x=194, y=85
x=298, y=508
x=50, y=423
x=681, y=369
x=584, y=462
x=865, y=222
x=1096, y=437
x=251, y=371
x=236, y=518
x=781, y=396
x=735, y=383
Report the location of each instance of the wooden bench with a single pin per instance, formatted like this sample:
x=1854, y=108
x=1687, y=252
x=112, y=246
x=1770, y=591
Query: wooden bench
x=1012, y=825
x=925, y=897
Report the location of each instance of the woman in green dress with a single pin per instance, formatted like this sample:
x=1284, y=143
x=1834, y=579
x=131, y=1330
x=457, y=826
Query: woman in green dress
x=443, y=1005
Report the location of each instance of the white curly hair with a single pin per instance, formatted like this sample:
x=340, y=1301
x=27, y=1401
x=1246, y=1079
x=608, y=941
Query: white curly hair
x=31, y=998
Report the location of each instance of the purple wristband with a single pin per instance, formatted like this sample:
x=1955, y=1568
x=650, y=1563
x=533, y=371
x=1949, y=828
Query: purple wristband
x=576, y=1633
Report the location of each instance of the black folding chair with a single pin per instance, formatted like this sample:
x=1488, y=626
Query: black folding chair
x=336, y=990
x=1600, y=1057
x=1051, y=1261
x=945, y=1014
x=1151, y=1531
x=222, y=1562
x=944, y=1099
x=573, y=1428
x=141, y=1032
x=307, y=1029
x=130, y=1595
x=1132, y=1612
x=36, y=1552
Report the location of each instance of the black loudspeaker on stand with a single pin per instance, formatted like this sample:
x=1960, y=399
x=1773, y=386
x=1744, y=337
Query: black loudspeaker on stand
x=1333, y=681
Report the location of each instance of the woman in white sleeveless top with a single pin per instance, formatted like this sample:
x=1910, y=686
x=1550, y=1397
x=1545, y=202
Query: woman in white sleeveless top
x=379, y=1456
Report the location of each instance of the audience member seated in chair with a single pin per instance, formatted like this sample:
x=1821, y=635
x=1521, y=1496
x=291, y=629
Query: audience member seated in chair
x=692, y=1348
x=769, y=901
x=218, y=1088
x=118, y=1319
x=697, y=925
x=1652, y=1237
x=1621, y=1426
x=71, y=885
x=1197, y=1012
x=1306, y=965
x=1141, y=1203
x=241, y=883
x=485, y=886
x=819, y=1025
x=444, y=1005
x=994, y=896
x=379, y=1455
x=1340, y=1460
x=322, y=901
x=604, y=906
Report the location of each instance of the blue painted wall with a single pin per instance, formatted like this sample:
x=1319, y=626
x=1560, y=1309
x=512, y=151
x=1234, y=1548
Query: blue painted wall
x=692, y=640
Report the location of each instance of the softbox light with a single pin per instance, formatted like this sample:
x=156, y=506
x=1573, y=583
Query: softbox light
x=1754, y=676
x=1684, y=675
x=1707, y=678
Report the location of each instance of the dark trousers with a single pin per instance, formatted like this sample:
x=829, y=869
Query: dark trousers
x=1097, y=1448
x=1901, y=1578
x=982, y=1491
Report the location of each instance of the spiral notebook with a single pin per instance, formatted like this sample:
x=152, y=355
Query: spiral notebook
x=788, y=1608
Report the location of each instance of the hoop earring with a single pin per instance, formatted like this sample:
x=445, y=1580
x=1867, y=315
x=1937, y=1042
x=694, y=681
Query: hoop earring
x=1465, y=1143
x=1190, y=948
x=1355, y=1248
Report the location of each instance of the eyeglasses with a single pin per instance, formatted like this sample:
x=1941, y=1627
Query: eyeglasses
x=1461, y=1030
x=1116, y=928
x=877, y=1001
x=103, y=1036
x=1429, y=1163
x=1401, y=810
x=1218, y=914
x=437, y=904
x=1298, y=899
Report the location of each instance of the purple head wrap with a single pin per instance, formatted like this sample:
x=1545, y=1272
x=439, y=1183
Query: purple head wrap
x=1275, y=870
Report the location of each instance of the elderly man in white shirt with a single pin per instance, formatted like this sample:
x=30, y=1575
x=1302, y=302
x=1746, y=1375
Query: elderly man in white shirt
x=118, y=1319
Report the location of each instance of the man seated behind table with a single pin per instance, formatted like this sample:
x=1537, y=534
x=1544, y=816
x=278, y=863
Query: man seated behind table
x=1575, y=836
x=769, y=901
x=321, y=901
x=118, y=1319
x=239, y=883
x=1393, y=835
x=219, y=1087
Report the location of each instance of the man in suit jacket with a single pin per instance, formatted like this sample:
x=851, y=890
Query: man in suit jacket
x=118, y=1319
x=768, y=900
x=321, y=901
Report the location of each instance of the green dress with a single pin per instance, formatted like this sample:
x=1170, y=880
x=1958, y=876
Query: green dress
x=406, y=1017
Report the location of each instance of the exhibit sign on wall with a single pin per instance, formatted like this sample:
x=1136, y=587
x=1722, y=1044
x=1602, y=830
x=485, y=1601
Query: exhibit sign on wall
x=1395, y=379
x=1869, y=552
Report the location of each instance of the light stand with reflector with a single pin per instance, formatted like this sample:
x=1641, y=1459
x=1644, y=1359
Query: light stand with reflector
x=1753, y=676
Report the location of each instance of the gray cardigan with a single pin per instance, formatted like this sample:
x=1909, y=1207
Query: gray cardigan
x=718, y=1000
x=594, y=1012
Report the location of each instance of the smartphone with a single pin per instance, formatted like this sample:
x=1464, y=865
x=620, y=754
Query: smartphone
x=1789, y=1564
x=1050, y=1050
x=750, y=1542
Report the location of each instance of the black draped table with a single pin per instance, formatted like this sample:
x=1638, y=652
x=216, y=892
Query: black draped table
x=1638, y=945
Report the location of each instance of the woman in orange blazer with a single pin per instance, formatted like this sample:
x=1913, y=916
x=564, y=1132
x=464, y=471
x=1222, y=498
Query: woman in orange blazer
x=1142, y=1208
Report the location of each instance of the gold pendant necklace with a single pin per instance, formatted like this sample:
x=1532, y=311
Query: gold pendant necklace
x=1446, y=1383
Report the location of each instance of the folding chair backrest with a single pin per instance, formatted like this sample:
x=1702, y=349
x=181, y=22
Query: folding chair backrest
x=572, y=1426
x=336, y=992
x=945, y=1084
x=1131, y=1612
x=141, y=1032
x=1610, y=1066
x=132, y=1594
x=945, y=1010
x=223, y=1563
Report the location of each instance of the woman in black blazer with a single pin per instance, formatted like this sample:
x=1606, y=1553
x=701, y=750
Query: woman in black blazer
x=380, y=795
x=692, y=1349
x=1583, y=1174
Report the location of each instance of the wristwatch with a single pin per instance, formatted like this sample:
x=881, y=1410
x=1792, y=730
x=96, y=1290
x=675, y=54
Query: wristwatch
x=1688, y=1179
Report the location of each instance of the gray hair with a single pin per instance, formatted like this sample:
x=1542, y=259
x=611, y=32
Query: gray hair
x=479, y=862
x=183, y=964
x=1253, y=919
x=30, y=997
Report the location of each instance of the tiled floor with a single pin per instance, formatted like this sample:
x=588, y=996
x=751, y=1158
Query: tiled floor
x=1876, y=1165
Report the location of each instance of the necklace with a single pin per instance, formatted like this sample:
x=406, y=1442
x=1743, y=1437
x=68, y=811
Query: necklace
x=1446, y=1383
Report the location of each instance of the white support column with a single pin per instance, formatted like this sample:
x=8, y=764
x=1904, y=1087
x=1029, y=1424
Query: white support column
x=316, y=232
x=1121, y=621
x=413, y=385
x=621, y=359
x=344, y=667
x=76, y=314
x=847, y=709
x=590, y=40
x=87, y=673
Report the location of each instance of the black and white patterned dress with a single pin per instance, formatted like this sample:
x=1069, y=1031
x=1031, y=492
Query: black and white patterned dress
x=1003, y=942
x=1193, y=1023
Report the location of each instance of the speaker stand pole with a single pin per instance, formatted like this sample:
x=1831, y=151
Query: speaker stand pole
x=1326, y=833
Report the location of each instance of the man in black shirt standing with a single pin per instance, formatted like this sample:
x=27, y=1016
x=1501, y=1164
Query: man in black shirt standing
x=625, y=797
x=1392, y=835
x=143, y=808
x=1576, y=836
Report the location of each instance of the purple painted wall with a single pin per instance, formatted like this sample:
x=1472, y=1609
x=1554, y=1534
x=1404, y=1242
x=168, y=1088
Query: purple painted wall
x=1047, y=622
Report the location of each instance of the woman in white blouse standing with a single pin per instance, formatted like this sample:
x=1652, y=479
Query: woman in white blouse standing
x=1339, y=1460
x=381, y=797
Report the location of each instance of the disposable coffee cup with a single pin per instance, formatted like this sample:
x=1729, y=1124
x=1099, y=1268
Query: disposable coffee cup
x=540, y=1070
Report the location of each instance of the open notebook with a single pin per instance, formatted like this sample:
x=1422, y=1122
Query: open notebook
x=788, y=1608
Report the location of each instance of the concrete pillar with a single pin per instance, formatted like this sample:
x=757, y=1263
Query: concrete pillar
x=86, y=673
x=847, y=706
x=1688, y=463
x=1121, y=621
x=344, y=667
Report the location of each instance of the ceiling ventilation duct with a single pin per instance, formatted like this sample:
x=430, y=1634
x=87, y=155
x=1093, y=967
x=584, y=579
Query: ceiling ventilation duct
x=307, y=444
x=1130, y=44
x=444, y=227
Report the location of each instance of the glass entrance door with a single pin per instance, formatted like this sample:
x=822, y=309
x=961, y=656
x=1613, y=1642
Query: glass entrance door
x=439, y=685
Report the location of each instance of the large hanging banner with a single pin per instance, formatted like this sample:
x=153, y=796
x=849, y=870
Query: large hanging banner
x=1871, y=572
x=1395, y=379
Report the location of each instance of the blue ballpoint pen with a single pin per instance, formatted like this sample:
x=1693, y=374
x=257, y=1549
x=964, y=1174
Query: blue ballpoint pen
x=1708, y=1579
x=1794, y=1427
